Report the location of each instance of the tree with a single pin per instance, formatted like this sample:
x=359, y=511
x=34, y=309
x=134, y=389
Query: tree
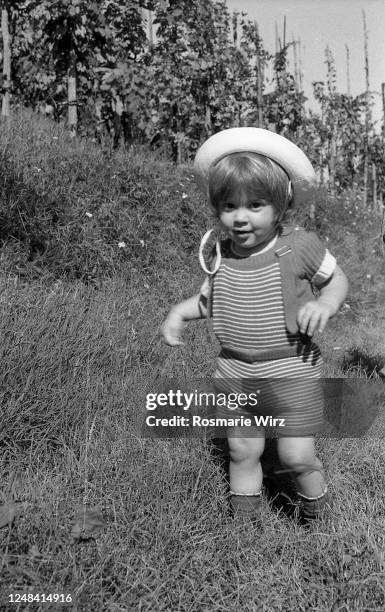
x=61, y=44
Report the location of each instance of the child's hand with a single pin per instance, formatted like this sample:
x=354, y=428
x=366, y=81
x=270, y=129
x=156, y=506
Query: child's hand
x=172, y=328
x=314, y=315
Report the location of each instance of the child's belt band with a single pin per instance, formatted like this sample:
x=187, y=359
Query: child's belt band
x=251, y=356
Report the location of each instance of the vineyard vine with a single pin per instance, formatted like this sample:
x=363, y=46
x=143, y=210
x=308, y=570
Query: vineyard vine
x=168, y=73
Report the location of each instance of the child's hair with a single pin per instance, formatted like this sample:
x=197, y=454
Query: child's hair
x=253, y=173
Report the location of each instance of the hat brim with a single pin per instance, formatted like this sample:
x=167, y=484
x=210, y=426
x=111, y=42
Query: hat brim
x=256, y=140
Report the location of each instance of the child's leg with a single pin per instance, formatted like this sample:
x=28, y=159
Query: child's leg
x=298, y=454
x=245, y=472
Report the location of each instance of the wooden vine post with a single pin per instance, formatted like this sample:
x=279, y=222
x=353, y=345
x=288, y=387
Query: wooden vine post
x=347, y=69
x=366, y=134
x=300, y=75
x=259, y=75
x=150, y=28
x=5, y=107
x=296, y=75
x=332, y=90
x=72, y=94
x=382, y=232
x=237, y=120
x=374, y=183
x=235, y=28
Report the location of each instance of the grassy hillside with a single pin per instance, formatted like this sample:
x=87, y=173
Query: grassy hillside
x=80, y=350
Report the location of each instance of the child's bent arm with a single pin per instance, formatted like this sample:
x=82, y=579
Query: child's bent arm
x=188, y=310
x=316, y=313
x=334, y=291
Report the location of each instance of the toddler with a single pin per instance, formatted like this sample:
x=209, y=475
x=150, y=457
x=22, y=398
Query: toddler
x=259, y=293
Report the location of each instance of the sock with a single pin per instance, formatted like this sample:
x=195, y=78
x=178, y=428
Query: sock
x=246, y=506
x=313, y=507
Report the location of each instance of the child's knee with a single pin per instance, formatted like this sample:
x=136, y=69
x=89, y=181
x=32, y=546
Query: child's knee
x=300, y=457
x=242, y=449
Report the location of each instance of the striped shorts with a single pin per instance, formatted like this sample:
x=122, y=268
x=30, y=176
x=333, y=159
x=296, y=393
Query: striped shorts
x=292, y=395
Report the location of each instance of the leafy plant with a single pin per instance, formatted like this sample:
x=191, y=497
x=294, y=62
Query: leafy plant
x=199, y=70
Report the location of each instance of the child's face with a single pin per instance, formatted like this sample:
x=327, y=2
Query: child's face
x=249, y=220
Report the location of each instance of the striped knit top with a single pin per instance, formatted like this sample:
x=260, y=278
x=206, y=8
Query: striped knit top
x=248, y=307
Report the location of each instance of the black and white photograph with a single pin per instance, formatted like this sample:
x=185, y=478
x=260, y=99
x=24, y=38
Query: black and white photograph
x=192, y=323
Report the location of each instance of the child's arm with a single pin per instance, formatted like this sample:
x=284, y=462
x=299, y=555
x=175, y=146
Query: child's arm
x=315, y=314
x=172, y=328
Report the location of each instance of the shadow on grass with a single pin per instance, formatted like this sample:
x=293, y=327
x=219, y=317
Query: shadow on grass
x=357, y=359
x=279, y=487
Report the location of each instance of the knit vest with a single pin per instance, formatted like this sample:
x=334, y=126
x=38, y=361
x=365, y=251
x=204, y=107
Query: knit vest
x=296, y=290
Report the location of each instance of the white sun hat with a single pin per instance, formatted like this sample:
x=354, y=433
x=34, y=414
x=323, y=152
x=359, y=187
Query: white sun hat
x=256, y=140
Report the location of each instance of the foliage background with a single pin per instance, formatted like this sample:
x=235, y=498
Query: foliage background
x=168, y=73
